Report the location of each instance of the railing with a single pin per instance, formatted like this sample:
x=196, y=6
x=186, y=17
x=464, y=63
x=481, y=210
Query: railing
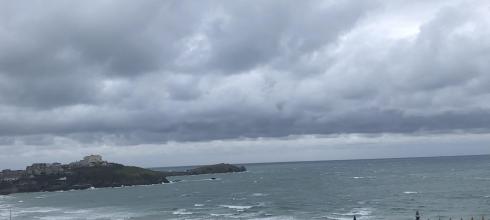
x=418, y=217
x=8, y=211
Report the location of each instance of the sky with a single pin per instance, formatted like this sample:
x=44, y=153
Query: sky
x=166, y=83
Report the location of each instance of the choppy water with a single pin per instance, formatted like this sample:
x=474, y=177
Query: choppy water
x=370, y=189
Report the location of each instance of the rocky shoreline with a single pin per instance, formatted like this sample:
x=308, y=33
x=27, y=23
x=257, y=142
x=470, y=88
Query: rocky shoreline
x=92, y=172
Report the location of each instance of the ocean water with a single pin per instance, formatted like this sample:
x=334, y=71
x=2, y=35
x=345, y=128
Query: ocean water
x=371, y=189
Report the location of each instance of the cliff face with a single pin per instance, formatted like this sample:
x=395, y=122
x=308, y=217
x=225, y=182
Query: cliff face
x=111, y=175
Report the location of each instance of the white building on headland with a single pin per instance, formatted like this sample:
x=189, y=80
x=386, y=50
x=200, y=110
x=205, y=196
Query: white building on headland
x=90, y=161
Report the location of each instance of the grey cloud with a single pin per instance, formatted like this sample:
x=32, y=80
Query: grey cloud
x=125, y=72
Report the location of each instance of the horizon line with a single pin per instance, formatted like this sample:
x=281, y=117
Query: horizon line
x=333, y=160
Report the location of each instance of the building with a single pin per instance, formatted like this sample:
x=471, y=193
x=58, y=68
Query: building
x=39, y=169
x=92, y=160
x=44, y=169
x=11, y=175
x=89, y=161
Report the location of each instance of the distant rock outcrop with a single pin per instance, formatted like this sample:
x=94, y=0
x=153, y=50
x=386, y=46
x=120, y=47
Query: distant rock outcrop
x=208, y=169
x=217, y=168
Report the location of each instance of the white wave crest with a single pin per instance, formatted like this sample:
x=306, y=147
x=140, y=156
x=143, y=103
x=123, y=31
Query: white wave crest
x=259, y=194
x=238, y=207
x=182, y=212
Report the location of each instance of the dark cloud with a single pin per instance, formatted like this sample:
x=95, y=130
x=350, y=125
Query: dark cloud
x=126, y=72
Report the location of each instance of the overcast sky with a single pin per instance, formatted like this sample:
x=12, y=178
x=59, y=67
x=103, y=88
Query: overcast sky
x=156, y=83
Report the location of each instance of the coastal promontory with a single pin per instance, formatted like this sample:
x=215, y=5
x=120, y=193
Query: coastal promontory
x=92, y=172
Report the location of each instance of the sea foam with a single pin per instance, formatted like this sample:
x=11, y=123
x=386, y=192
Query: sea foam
x=238, y=207
x=181, y=212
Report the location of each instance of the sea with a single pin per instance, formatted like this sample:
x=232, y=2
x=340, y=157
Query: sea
x=438, y=187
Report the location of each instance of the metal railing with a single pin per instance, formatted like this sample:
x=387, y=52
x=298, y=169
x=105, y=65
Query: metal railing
x=418, y=217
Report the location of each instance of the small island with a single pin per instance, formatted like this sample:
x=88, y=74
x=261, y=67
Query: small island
x=92, y=172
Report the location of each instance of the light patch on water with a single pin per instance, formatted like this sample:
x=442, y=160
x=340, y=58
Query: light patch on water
x=57, y=218
x=259, y=194
x=78, y=211
x=182, y=212
x=337, y=218
x=275, y=218
x=410, y=192
x=360, y=213
x=363, y=177
x=51, y=213
x=36, y=210
x=238, y=207
x=221, y=214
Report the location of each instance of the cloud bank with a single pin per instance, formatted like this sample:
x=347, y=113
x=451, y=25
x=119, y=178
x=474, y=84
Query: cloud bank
x=134, y=73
